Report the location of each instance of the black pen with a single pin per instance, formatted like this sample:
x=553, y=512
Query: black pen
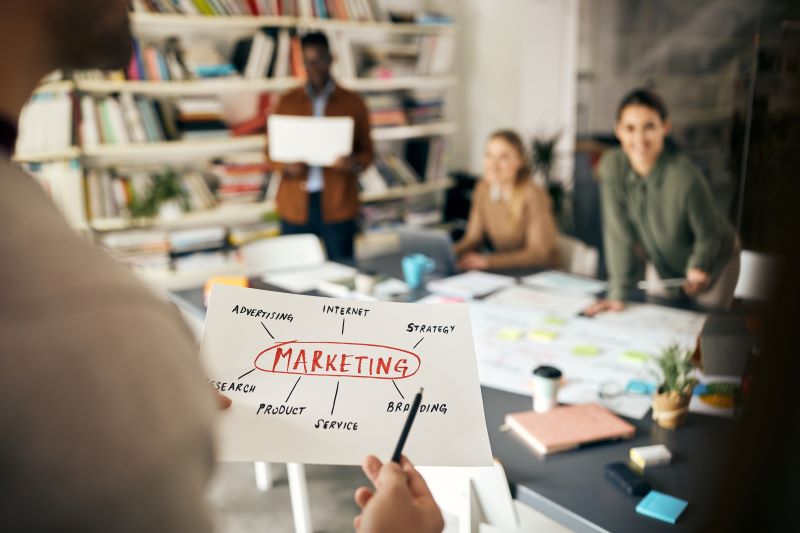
x=398, y=451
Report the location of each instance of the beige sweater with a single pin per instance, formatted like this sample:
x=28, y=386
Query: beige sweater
x=106, y=414
x=530, y=240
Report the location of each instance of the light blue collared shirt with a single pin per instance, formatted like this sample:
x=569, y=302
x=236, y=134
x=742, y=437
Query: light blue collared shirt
x=319, y=102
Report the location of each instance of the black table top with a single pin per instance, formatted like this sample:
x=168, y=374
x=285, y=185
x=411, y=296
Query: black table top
x=571, y=487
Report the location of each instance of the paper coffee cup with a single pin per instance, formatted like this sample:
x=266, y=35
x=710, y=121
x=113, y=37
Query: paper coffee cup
x=544, y=382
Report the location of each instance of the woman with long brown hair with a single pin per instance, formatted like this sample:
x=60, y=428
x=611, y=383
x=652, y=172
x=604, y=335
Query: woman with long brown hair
x=510, y=224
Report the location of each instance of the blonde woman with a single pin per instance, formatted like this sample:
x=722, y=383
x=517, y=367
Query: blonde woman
x=510, y=215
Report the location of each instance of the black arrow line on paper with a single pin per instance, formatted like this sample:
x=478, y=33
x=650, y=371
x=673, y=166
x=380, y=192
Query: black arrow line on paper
x=265, y=329
x=243, y=375
x=334, y=398
x=291, y=391
x=419, y=341
x=398, y=390
x=343, y=326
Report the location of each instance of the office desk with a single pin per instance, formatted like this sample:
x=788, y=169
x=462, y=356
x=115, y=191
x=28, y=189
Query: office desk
x=571, y=488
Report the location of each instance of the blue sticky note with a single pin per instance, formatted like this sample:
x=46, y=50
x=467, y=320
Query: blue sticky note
x=661, y=506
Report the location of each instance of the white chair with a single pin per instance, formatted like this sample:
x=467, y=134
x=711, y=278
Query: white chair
x=478, y=500
x=576, y=257
x=757, y=274
x=281, y=253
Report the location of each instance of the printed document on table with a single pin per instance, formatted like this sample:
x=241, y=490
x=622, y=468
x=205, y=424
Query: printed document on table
x=318, y=141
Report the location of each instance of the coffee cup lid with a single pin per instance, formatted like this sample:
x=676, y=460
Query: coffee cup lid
x=545, y=371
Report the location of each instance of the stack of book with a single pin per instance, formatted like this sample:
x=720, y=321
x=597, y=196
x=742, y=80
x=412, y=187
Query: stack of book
x=363, y=10
x=244, y=233
x=267, y=53
x=241, y=179
x=385, y=109
x=186, y=241
x=427, y=157
x=62, y=181
x=140, y=249
x=384, y=60
x=204, y=60
x=382, y=215
x=122, y=120
x=112, y=194
x=45, y=123
x=149, y=62
x=388, y=171
x=436, y=54
x=424, y=106
x=200, y=118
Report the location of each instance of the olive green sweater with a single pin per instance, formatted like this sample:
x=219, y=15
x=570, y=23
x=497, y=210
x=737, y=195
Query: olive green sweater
x=670, y=214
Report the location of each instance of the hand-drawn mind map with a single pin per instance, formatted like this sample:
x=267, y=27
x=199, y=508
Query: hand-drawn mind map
x=321, y=380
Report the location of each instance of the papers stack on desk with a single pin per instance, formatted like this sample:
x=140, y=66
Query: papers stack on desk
x=304, y=279
x=470, y=285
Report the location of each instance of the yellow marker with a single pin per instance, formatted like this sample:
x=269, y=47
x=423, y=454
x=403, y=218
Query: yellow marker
x=554, y=320
x=633, y=356
x=542, y=335
x=585, y=349
x=509, y=334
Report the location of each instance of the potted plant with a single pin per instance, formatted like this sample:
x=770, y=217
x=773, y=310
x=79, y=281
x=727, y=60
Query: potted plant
x=673, y=372
x=165, y=197
x=544, y=165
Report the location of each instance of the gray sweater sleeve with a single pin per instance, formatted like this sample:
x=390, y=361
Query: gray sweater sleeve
x=619, y=236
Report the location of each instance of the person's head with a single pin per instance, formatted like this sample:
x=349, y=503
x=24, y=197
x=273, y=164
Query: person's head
x=78, y=34
x=317, y=58
x=642, y=127
x=504, y=159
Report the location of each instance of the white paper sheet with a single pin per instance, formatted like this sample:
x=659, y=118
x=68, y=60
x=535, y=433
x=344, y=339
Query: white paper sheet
x=307, y=278
x=470, y=284
x=245, y=347
x=312, y=140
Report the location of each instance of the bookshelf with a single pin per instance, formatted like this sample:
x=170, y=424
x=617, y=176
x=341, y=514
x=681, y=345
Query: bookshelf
x=173, y=154
x=238, y=85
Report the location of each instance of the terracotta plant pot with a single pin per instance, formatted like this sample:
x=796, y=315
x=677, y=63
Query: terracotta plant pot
x=670, y=408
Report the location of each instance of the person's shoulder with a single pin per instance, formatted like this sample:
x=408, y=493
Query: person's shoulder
x=612, y=165
x=352, y=98
x=535, y=194
x=292, y=98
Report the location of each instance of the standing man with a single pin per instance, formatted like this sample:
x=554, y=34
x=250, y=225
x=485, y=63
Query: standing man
x=324, y=201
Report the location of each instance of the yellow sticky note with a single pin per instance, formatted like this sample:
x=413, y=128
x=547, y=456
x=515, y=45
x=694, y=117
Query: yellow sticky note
x=542, y=335
x=585, y=349
x=634, y=356
x=556, y=321
x=509, y=334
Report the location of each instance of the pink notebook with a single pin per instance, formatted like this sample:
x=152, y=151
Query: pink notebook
x=567, y=427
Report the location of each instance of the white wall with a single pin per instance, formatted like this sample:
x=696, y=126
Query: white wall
x=517, y=64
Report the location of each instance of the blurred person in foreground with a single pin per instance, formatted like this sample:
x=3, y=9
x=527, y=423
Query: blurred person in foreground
x=107, y=416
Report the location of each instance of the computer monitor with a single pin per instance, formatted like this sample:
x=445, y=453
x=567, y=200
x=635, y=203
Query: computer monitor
x=434, y=243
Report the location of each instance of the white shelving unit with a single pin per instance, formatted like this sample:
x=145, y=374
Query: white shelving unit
x=237, y=85
x=170, y=151
x=55, y=155
x=243, y=213
x=159, y=26
x=144, y=22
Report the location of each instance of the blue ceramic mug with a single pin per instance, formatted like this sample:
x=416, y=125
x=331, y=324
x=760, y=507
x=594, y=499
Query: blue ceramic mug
x=415, y=266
